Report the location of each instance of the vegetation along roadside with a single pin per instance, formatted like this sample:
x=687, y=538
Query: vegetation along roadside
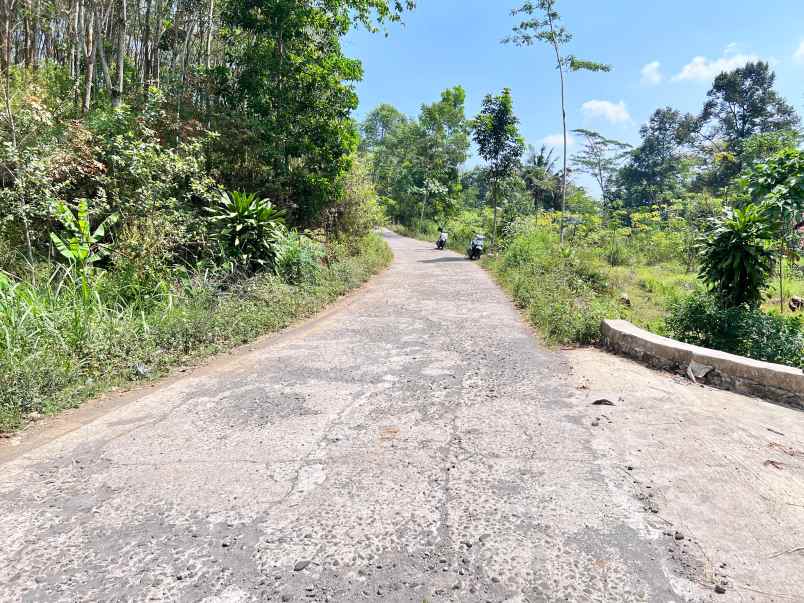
x=697, y=232
x=176, y=178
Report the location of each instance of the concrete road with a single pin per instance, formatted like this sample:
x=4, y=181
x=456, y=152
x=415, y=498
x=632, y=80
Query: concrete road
x=415, y=443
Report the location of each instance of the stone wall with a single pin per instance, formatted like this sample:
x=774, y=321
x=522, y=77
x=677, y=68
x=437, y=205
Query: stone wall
x=782, y=384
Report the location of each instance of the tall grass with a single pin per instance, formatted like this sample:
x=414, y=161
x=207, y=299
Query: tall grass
x=58, y=346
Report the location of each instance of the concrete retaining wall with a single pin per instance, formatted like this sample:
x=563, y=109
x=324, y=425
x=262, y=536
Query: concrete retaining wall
x=775, y=382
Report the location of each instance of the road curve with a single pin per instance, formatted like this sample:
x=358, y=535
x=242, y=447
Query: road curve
x=415, y=444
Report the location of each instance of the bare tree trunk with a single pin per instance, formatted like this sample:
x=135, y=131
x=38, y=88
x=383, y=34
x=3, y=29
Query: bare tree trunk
x=560, y=65
x=122, y=25
x=27, y=34
x=146, y=46
x=91, y=50
x=7, y=8
x=101, y=51
x=208, y=44
x=156, y=65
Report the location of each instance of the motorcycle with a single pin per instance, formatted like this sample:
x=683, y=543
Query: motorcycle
x=441, y=243
x=476, y=247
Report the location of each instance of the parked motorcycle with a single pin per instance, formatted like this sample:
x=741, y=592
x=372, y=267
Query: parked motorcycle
x=476, y=247
x=441, y=243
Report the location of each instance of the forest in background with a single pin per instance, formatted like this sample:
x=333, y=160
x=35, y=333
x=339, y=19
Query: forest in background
x=697, y=233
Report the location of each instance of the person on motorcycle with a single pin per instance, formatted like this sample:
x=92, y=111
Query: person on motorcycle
x=476, y=247
x=441, y=243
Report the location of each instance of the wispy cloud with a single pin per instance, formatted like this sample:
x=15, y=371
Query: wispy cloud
x=798, y=55
x=702, y=69
x=557, y=140
x=614, y=113
x=652, y=74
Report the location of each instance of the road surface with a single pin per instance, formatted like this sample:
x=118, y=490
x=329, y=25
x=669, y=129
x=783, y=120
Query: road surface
x=414, y=443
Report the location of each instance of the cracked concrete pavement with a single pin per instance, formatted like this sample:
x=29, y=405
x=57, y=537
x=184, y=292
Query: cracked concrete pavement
x=414, y=443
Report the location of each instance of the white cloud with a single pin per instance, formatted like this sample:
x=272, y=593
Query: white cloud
x=612, y=112
x=798, y=56
x=705, y=70
x=557, y=140
x=731, y=48
x=652, y=74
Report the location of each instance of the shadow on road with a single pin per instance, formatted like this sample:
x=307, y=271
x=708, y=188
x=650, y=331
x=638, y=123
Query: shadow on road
x=450, y=258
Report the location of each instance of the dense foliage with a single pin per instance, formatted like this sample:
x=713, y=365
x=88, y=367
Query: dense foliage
x=174, y=177
x=745, y=330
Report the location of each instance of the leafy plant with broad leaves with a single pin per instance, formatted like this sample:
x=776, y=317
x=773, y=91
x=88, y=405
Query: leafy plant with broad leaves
x=80, y=245
x=246, y=229
x=736, y=262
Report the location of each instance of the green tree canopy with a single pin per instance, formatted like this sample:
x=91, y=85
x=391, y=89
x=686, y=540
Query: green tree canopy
x=499, y=143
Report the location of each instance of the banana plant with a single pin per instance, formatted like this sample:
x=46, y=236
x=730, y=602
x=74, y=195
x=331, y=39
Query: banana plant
x=80, y=245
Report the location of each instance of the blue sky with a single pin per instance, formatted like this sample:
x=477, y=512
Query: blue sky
x=663, y=53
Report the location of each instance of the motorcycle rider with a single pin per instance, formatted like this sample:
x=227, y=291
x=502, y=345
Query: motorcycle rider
x=441, y=243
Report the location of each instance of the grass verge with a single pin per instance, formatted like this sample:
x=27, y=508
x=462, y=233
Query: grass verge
x=57, y=351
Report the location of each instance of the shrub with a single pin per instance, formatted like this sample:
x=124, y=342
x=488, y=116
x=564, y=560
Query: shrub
x=357, y=212
x=735, y=261
x=246, y=229
x=566, y=295
x=701, y=320
x=297, y=258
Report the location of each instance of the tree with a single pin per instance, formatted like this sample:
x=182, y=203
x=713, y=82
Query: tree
x=736, y=263
x=406, y=153
x=778, y=185
x=657, y=168
x=271, y=74
x=499, y=143
x=600, y=158
x=547, y=28
x=540, y=178
x=381, y=122
x=742, y=103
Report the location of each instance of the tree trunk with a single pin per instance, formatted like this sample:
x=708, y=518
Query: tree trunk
x=146, y=46
x=564, y=125
x=494, y=219
x=122, y=25
x=208, y=44
x=91, y=50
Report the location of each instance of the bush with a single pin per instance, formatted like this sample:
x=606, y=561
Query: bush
x=735, y=261
x=357, y=211
x=297, y=258
x=566, y=295
x=745, y=330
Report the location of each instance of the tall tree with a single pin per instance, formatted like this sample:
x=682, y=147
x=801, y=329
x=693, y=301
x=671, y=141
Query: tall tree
x=657, y=169
x=741, y=103
x=407, y=153
x=600, y=158
x=378, y=124
x=499, y=143
x=542, y=23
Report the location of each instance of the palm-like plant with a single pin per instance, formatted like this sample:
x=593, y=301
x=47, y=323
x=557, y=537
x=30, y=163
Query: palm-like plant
x=246, y=228
x=736, y=261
